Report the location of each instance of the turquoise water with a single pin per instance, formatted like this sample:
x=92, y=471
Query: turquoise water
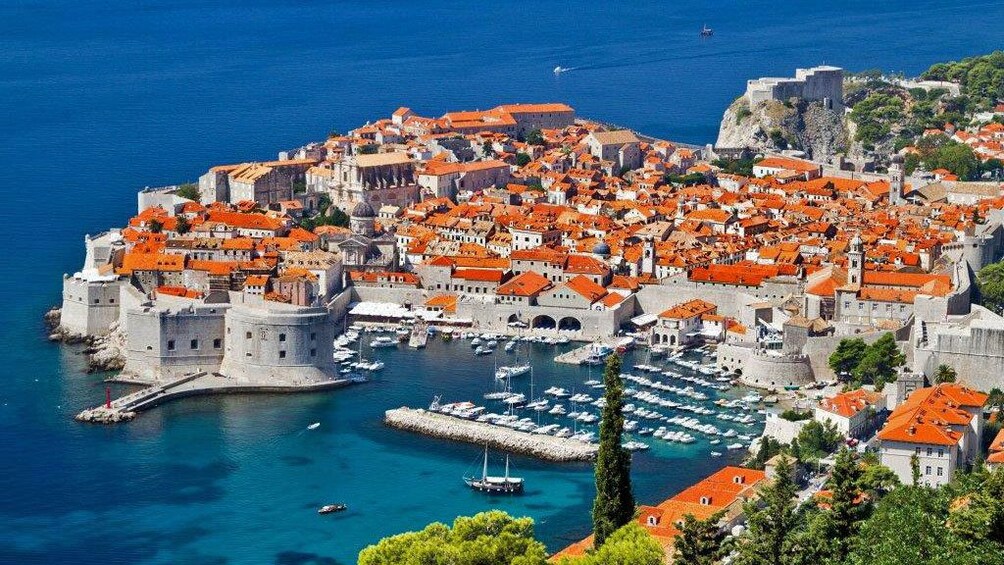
x=101, y=98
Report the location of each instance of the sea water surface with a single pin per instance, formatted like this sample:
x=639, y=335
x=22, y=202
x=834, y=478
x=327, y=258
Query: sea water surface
x=101, y=98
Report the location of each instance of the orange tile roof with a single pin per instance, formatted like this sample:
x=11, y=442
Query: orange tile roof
x=586, y=288
x=689, y=309
x=529, y=283
x=151, y=262
x=847, y=404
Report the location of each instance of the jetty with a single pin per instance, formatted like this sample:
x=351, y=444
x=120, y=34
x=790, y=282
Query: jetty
x=578, y=355
x=127, y=407
x=524, y=443
x=419, y=336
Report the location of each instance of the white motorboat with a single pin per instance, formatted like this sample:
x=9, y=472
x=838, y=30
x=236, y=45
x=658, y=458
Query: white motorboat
x=383, y=341
x=503, y=373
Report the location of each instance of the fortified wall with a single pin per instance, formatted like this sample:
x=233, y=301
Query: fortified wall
x=821, y=83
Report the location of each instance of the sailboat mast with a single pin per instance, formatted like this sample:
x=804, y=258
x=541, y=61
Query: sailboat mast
x=484, y=469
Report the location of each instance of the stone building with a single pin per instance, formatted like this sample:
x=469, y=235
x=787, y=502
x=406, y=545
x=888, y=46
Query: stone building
x=377, y=179
x=622, y=147
x=822, y=83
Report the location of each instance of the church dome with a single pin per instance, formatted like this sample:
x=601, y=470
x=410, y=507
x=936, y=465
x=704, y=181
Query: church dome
x=363, y=210
x=601, y=248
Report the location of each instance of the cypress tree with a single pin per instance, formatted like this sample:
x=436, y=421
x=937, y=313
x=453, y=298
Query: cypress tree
x=771, y=523
x=614, y=503
x=699, y=541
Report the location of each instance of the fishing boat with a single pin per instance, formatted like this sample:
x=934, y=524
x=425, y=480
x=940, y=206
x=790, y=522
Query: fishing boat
x=559, y=69
x=481, y=350
x=314, y=426
x=495, y=485
x=329, y=508
x=707, y=31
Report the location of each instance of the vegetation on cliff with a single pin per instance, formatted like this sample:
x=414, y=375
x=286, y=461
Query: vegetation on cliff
x=981, y=78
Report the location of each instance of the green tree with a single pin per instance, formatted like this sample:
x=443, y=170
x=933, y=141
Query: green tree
x=189, y=191
x=629, y=545
x=944, y=374
x=369, y=149
x=535, y=137
x=699, y=541
x=156, y=226
x=956, y=157
x=877, y=479
x=839, y=522
x=614, y=503
x=488, y=149
x=769, y=538
x=488, y=537
x=522, y=159
x=846, y=357
x=915, y=470
x=183, y=226
x=816, y=440
x=990, y=282
x=768, y=448
x=879, y=363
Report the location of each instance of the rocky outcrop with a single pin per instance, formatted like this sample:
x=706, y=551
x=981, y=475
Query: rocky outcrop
x=57, y=332
x=104, y=353
x=103, y=415
x=774, y=126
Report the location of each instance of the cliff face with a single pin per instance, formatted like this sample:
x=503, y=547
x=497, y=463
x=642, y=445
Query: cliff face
x=772, y=125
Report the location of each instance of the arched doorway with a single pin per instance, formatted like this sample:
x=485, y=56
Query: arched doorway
x=569, y=323
x=543, y=322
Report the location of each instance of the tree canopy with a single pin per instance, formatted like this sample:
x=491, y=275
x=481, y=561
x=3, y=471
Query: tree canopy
x=488, y=537
x=879, y=363
x=990, y=282
x=189, y=191
x=847, y=356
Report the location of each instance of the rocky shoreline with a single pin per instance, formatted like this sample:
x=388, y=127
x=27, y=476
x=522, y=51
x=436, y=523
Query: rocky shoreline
x=104, y=353
x=544, y=447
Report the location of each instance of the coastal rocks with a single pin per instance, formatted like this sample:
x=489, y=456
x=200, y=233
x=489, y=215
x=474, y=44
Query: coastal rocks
x=104, y=415
x=57, y=332
x=442, y=426
x=773, y=125
x=107, y=352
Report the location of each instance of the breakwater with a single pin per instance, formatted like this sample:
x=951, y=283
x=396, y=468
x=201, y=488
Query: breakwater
x=447, y=427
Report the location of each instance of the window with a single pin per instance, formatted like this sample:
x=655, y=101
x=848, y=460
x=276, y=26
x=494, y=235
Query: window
x=282, y=355
x=111, y=300
x=194, y=344
x=927, y=470
x=313, y=353
x=940, y=470
x=930, y=451
x=941, y=452
x=217, y=343
x=282, y=337
x=313, y=336
x=247, y=335
x=918, y=451
x=97, y=301
x=170, y=345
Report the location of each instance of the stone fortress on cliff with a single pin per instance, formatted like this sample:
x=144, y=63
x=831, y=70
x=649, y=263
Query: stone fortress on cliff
x=823, y=83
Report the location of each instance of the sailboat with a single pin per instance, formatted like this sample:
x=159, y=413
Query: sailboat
x=495, y=485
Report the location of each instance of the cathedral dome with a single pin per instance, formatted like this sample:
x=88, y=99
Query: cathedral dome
x=601, y=248
x=363, y=210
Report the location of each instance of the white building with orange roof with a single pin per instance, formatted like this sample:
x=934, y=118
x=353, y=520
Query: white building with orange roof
x=851, y=412
x=940, y=426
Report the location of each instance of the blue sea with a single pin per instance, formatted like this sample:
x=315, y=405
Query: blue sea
x=100, y=99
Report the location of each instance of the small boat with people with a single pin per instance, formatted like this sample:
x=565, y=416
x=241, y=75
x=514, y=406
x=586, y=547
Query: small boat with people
x=330, y=508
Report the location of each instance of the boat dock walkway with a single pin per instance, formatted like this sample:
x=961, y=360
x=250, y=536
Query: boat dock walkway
x=545, y=447
x=126, y=407
x=579, y=354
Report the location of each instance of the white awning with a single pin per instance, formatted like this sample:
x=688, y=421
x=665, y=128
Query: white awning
x=644, y=319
